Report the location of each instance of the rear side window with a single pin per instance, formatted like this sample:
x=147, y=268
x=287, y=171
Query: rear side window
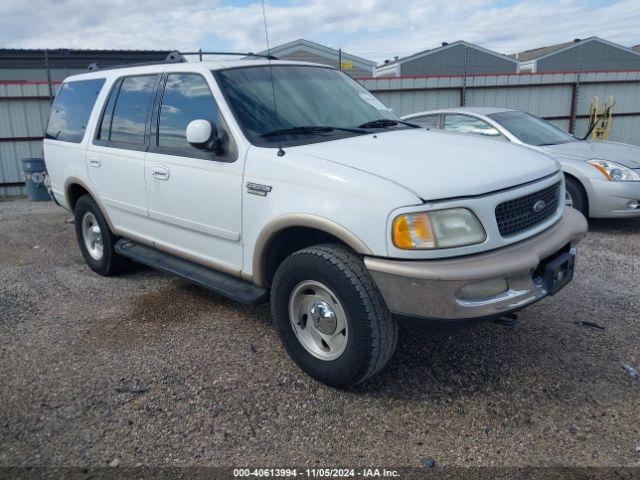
x=430, y=122
x=71, y=110
x=132, y=103
x=186, y=97
x=466, y=124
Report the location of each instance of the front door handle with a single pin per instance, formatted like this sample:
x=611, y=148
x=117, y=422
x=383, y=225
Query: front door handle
x=160, y=173
x=94, y=161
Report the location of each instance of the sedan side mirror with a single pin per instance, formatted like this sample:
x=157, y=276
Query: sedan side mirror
x=203, y=135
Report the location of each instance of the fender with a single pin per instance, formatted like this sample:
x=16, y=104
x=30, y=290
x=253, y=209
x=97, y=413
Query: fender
x=77, y=181
x=298, y=220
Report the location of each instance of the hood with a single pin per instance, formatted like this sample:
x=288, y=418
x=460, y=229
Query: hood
x=436, y=165
x=627, y=155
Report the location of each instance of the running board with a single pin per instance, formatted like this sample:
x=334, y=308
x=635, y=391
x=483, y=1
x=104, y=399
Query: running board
x=220, y=283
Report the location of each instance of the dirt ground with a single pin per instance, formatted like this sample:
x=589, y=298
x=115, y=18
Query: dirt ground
x=145, y=369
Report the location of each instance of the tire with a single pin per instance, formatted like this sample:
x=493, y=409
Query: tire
x=369, y=337
x=577, y=197
x=97, y=247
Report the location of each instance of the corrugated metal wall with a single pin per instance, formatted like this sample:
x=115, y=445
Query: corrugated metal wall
x=24, y=107
x=549, y=95
x=24, y=111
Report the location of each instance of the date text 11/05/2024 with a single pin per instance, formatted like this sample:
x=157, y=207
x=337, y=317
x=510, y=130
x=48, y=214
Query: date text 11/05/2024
x=316, y=472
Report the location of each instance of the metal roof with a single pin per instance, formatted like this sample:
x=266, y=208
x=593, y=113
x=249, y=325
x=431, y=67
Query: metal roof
x=538, y=53
x=323, y=50
x=478, y=110
x=432, y=51
x=70, y=58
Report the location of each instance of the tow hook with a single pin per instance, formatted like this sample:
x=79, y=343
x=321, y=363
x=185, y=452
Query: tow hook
x=508, y=320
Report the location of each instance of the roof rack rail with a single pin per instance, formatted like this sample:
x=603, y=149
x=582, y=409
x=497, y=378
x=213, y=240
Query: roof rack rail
x=239, y=54
x=178, y=57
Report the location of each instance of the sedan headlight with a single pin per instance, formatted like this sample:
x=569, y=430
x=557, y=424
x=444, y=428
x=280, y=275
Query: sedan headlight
x=453, y=227
x=614, y=171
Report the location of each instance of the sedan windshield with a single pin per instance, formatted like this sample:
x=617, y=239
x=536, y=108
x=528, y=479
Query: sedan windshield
x=532, y=130
x=313, y=104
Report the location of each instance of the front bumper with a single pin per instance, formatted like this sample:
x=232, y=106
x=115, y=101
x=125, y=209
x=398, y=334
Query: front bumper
x=433, y=288
x=609, y=199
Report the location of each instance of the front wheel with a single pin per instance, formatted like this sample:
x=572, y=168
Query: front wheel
x=331, y=317
x=575, y=197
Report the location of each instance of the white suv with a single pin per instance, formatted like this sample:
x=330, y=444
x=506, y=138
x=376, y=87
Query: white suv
x=258, y=178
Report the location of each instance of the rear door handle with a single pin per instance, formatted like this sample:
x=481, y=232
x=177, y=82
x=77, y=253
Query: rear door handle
x=94, y=161
x=160, y=173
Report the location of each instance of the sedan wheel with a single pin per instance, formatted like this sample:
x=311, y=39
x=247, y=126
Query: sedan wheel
x=568, y=199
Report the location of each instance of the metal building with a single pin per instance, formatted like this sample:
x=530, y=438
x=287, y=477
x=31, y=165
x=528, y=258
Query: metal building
x=458, y=58
x=306, y=51
x=588, y=55
x=28, y=81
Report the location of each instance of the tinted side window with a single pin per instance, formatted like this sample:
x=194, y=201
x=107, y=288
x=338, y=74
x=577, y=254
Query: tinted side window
x=130, y=112
x=105, y=124
x=430, y=122
x=186, y=97
x=71, y=110
x=467, y=124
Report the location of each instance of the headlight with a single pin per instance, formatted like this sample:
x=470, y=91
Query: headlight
x=614, y=171
x=452, y=227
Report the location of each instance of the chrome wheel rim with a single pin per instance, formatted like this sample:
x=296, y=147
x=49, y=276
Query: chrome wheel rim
x=92, y=236
x=568, y=199
x=318, y=320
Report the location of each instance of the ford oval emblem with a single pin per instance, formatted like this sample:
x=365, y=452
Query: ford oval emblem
x=539, y=206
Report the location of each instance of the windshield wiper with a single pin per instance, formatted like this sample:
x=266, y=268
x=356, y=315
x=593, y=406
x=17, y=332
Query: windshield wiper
x=386, y=122
x=317, y=129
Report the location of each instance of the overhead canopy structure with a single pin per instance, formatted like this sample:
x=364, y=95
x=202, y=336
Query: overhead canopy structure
x=32, y=64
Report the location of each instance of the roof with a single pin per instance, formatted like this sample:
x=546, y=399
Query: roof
x=432, y=51
x=543, y=52
x=478, y=110
x=182, y=67
x=71, y=58
x=636, y=48
x=302, y=44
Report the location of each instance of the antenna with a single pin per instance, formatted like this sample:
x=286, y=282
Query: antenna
x=281, y=152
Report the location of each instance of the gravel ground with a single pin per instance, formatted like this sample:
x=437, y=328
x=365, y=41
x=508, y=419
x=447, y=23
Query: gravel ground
x=146, y=369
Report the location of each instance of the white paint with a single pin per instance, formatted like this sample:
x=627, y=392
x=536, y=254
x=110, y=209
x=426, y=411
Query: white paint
x=200, y=207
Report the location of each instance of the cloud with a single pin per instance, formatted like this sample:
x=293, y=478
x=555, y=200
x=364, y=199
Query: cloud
x=373, y=29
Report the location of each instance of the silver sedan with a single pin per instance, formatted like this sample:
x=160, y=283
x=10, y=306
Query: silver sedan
x=603, y=178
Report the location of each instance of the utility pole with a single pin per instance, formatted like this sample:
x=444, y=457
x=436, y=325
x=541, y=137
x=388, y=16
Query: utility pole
x=46, y=66
x=576, y=94
x=463, y=97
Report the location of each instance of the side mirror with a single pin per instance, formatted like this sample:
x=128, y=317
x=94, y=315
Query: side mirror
x=202, y=135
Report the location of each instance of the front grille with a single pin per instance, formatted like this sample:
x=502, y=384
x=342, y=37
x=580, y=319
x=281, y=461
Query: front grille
x=516, y=215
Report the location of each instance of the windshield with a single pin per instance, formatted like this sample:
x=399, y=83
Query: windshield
x=306, y=96
x=532, y=130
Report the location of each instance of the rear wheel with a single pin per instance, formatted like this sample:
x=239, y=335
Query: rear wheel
x=330, y=315
x=574, y=196
x=95, y=239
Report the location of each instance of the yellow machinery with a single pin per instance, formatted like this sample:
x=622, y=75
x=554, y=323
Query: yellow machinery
x=600, y=120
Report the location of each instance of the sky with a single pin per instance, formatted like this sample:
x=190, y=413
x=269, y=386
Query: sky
x=373, y=29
